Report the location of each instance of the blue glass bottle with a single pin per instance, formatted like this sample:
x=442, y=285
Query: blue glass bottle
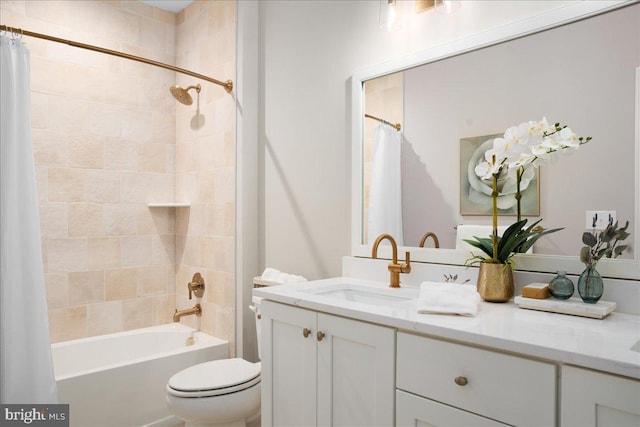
x=561, y=286
x=590, y=285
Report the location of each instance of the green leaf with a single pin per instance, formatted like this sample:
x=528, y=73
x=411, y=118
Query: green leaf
x=482, y=243
x=606, y=237
x=585, y=255
x=622, y=235
x=589, y=239
x=618, y=250
x=527, y=245
x=512, y=237
x=529, y=228
x=609, y=233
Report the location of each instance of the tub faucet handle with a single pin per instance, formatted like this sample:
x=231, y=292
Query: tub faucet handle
x=196, y=286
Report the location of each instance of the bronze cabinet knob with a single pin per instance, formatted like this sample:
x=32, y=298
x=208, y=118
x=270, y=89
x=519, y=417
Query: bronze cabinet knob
x=461, y=381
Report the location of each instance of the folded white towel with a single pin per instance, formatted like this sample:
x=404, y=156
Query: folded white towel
x=448, y=298
x=273, y=275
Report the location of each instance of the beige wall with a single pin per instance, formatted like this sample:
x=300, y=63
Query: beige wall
x=104, y=133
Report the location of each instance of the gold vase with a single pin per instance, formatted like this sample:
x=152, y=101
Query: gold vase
x=495, y=282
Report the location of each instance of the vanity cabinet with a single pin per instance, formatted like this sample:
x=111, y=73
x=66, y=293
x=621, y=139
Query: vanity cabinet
x=469, y=382
x=412, y=410
x=591, y=398
x=320, y=369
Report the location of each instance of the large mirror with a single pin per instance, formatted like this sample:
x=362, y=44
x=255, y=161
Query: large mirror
x=449, y=101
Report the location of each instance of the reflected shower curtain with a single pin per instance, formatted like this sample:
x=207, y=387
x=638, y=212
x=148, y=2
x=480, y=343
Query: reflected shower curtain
x=385, y=188
x=26, y=367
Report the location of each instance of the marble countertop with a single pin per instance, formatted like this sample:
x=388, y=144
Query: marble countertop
x=610, y=344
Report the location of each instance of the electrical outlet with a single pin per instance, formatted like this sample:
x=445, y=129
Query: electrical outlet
x=600, y=219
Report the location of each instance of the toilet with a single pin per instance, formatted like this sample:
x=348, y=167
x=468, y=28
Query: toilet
x=220, y=393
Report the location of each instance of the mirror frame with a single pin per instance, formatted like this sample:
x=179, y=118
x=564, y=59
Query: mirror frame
x=618, y=268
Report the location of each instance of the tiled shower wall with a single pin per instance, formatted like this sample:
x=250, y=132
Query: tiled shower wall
x=104, y=133
x=205, y=164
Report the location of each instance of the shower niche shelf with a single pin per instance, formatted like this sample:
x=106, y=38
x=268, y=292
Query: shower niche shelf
x=169, y=205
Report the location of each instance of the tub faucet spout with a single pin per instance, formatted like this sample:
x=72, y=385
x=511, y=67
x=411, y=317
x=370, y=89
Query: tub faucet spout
x=197, y=310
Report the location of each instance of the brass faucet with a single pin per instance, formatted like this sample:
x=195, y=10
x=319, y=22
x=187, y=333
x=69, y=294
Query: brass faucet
x=428, y=234
x=394, y=268
x=197, y=310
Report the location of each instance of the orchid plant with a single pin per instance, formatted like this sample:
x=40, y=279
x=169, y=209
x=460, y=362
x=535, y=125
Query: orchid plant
x=521, y=146
x=527, y=144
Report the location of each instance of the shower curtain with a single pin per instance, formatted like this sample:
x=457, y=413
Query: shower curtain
x=26, y=367
x=385, y=188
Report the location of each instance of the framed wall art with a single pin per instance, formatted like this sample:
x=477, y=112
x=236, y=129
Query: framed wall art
x=475, y=193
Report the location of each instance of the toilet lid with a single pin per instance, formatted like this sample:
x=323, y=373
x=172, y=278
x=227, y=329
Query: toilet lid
x=214, y=378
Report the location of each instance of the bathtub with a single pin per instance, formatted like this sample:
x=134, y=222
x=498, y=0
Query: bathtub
x=119, y=379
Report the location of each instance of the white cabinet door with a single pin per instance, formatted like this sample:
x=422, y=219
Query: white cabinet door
x=592, y=398
x=288, y=366
x=356, y=373
x=415, y=411
x=325, y=370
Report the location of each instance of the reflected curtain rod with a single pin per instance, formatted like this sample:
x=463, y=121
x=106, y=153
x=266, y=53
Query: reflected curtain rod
x=228, y=85
x=395, y=125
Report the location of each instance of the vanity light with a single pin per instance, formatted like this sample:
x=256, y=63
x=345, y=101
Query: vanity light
x=391, y=15
x=447, y=6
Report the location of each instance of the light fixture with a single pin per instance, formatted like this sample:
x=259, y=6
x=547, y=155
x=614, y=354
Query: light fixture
x=391, y=15
x=447, y=6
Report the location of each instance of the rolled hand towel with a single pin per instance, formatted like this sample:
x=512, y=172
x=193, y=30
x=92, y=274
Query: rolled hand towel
x=273, y=275
x=448, y=298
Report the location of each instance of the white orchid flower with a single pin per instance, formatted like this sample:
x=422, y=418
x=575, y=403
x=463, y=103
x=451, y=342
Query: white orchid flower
x=494, y=161
x=524, y=159
x=568, y=138
x=551, y=143
x=542, y=127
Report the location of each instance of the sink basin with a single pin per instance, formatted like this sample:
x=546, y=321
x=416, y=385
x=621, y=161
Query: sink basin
x=364, y=294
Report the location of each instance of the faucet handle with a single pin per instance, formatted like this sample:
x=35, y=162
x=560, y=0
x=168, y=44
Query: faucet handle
x=406, y=267
x=196, y=286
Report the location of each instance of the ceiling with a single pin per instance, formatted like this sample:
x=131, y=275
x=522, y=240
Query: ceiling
x=170, y=5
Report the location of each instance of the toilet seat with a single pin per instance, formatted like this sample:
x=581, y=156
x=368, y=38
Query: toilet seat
x=215, y=378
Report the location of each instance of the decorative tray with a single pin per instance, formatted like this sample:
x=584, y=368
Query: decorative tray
x=573, y=306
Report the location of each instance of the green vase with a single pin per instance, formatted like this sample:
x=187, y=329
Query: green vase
x=561, y=287
x=590, y=285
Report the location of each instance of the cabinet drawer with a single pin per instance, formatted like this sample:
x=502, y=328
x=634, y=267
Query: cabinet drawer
x=508, y=388
x=412, y=411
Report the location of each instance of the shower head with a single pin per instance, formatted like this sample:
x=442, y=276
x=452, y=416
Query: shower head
x=182, y=95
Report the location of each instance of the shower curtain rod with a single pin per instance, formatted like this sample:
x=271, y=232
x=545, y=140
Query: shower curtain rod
x=228, y=85
x=395, y=125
